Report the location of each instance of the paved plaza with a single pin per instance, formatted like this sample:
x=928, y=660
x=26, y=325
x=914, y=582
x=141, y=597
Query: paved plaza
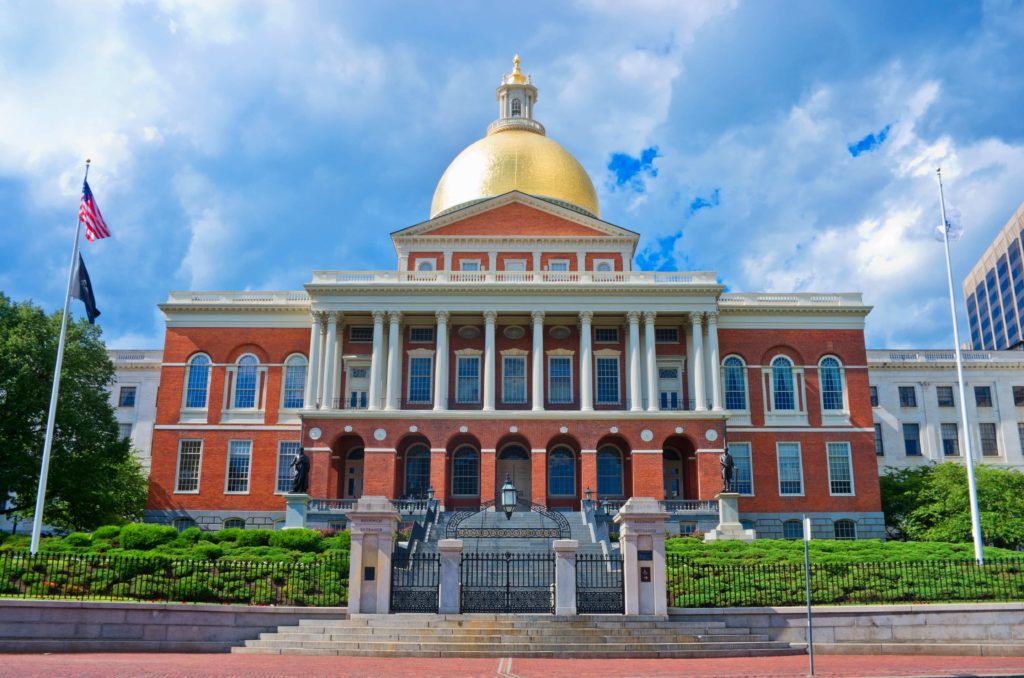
x=258, y=666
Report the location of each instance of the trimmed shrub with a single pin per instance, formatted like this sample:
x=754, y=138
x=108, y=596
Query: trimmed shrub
x=107, y=532
x=254, y=537
x=298, y=539
x=77, y=539
x=230, y=534
x=144, y=536
x=208, y=551
x=189, y=536
x=340, y=541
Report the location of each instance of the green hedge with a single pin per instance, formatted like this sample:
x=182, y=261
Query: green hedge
x=779, y=551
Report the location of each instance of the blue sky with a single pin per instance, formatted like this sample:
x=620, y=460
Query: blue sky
x=240, y=145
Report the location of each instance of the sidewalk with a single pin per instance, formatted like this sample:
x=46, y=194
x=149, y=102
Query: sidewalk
x=259, y=666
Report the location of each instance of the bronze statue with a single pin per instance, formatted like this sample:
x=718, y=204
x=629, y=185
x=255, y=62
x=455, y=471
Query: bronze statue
x=300, y=481
x=725, y=460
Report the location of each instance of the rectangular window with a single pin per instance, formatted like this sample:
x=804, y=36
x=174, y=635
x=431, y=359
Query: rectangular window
x=1018, y=396
x=467, y=379
x=950, y=440
x=124, y=431
x=239, y=461
x=559, y=379
x=126, y=397
x=742, y=470
x=286, y=453
x=945, y=396
x=983, y=396
x=908, y=396
x=606, y=335
x=874, y=395
x=840, y=468
x=558, y=265
x=420, y=378
x=469, y=265
x=516, y=265
x=989, y=443
x=912, y=440
x=360, y=335
x=513, y=379
x=607, y=371
x=1020, y=435
x=190, y=457
x=421, y=335
x=879, y=446
x=666, y=335
x=791, y=473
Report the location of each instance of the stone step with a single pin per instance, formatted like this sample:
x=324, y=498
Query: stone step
x=37, y=645
x=703, y=653
x=398, y=646
x=495, y=639
x=484, y=624
x=363, y=631
x=953, y=649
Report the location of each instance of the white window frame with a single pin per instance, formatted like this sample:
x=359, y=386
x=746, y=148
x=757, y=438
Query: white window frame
x=798, y=415
x=227, y=468
x=606, y=341
x=420, y=354
x=259, y=397
x=903, y=433
x=844, y=412
x=942, y=440
x=600, y=355
x=899, y=397
x=135, y=395
x=572, y=383
x=430, y=328
x=844, y=520
x=746, y=384
x=666, y=341
x=355, y=365
x=559, y=262
x=778, y=468
x=750, y=456
x=284, y=382
x=995, y=437
x=199, y=467
x=351, y=332
x=952, y=393
x=196, y=414
x=430, y=261
x=518, y=262
x=479, y=470
x=679, y=367
x=610, y=263
x=479, y=375
x=277, y=474
x=504, y=376
x=849, y=466
x=471, y=262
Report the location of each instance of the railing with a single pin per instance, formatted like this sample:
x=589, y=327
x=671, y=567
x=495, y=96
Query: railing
x=346, y=505
x=147, y=356
x=288, y=298
x=691, y=506
x=940, y=356
x=929, y=581
x=798, y=299
x=516, y=277
x=322, y=582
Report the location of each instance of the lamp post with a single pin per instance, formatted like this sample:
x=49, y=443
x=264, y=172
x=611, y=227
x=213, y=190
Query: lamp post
x=509, y=497
x=972, y=488
x=430, y=493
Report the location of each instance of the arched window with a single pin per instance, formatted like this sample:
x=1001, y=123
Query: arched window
x=830, y=372
x=197, y=382
x=783, y=397
x=735, y=378
x=792, y=529
x=182, y=524
x=517, y=108
x=609, y=472
x=466, y=472
x=845, y=529
x=561, y=473
x=245, y=382
x=604, y=267
x=417, y=471
x=294, y=382
x=424, y=265
x=234, y=524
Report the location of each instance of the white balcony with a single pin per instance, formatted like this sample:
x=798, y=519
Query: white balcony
x=528, y=278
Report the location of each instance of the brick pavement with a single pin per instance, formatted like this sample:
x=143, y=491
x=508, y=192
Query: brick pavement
x=260, y=666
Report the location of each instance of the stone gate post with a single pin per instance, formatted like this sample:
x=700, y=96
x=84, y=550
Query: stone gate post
x=565, y=575
x=642, y=528
x=373, y=522
x=450, y=551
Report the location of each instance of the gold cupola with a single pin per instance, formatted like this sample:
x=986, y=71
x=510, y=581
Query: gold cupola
x=516, y=155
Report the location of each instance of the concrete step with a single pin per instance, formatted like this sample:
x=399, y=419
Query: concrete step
x=364, y=632
x=778, y=650
x=959, y=649
x=490, y=625
x=558, y=639
x=34, y=646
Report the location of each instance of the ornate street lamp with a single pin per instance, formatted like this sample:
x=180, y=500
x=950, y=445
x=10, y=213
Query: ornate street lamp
x=430, y=493
x=509, y=497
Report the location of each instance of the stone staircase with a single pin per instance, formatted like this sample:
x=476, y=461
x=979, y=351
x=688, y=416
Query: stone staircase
x=540, y=636
x=519, y=520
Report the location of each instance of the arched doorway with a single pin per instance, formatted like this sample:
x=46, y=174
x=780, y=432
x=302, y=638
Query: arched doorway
x=679, y=468
x=514, y=462
x=352, y=474
x=611, y=473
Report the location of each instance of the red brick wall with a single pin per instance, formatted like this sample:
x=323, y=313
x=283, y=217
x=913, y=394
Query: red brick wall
x=437, y=258
x=594, y=256
x=517, y=220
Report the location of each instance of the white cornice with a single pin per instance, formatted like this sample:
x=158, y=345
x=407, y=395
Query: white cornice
x=531, y=415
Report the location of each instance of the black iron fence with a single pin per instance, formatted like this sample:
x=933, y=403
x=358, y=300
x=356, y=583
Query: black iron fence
x=927, y=581
x=508, y=582
x=321, y=582
x=414, y=582
x=599, y=584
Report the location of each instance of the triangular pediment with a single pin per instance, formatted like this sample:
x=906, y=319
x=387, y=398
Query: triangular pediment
x=515, y=215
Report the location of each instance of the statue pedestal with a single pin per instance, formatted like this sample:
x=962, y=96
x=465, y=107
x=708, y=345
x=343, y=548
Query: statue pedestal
x=729, y=526
x=295, y=509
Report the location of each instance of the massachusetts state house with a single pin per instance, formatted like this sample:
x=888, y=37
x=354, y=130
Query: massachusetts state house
x=514, y=339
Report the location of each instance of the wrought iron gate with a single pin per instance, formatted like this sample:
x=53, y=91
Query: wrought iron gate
x=507, y=582
x=414, y=582
x=599, y=586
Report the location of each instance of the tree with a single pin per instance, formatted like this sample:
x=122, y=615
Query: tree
x=932, y=504
x=94, y=478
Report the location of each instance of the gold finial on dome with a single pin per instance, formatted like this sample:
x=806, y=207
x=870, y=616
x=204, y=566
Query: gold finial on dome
x=517, y=76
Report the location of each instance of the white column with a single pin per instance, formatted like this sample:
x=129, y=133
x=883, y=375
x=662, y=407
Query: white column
x=394, y=400
x=489, y=319
x=715, y=363
x=565, y=575
x=441, y=363
x=339, y=352
x=326, y=402
x=538, y=360
x=450, y=557
x=492, y=265
x=627, y=372
x=313, y=373
x=699, y=395
x=651, y=361
x=634, y=359
x=688, y=331
x=586, y=363
x=376, y=360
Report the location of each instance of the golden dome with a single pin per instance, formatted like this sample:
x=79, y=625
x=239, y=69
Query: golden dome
x=514, y=160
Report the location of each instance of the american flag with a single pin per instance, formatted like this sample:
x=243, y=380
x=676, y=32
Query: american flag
x=89, y=214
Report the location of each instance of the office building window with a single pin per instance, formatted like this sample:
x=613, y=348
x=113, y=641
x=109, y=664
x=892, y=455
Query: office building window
x=124, y=431
x=840, y=469
x=742, y=472
x=239, y=463
x=989, y=441
x=908, y=396
x=559, y=379
x=1020, y=436
x=944, y=394
x=950, y=440
x=126, y=397
x=190, y=458
x=513, y=379
x=912, y=440
x=467, y=380
x=1018, y=396
x=879, y=446
x=791, y=474
x=607, y=372
x=287, y=450
x=983, y=396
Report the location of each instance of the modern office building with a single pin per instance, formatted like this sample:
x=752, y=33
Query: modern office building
x=915, y=398
x=994, y=290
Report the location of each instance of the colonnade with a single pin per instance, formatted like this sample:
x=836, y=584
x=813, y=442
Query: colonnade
x=326, y=349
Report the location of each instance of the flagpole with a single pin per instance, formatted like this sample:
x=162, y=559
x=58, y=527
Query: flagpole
x=972, y=487
x=37, y=517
